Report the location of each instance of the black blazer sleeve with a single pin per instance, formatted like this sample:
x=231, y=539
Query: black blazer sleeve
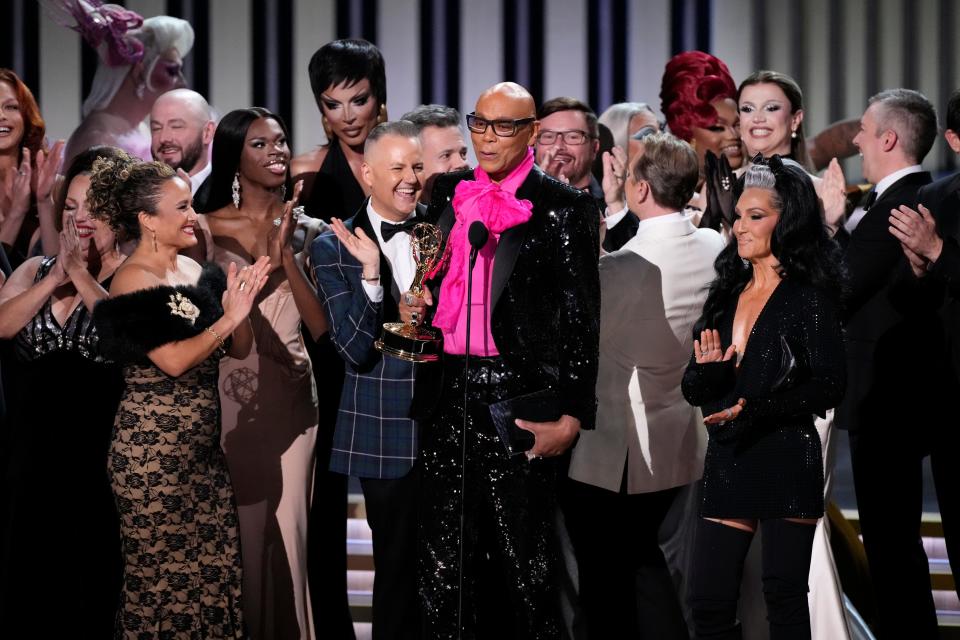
x=578, y=274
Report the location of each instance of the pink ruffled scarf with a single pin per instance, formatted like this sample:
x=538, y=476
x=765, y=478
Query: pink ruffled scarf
x=495, y=205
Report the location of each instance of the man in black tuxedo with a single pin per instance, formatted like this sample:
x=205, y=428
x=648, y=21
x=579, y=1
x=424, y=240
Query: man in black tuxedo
x=893, y=341
x=930, y=238
x=535, y=326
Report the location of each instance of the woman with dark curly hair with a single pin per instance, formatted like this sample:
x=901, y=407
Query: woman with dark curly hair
x=168, y=321
x=768, y=355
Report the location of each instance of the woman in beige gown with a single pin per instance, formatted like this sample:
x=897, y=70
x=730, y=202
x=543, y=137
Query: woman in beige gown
x=269, y=401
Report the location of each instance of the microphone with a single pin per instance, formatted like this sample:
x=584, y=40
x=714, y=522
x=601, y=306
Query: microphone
x=477, y=234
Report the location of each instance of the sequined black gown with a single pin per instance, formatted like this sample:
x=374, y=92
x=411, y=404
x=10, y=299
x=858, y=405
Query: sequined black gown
x=767, y=463
x=60, y=564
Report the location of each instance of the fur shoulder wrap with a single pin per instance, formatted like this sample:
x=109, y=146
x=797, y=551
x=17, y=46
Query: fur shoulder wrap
x=133, y=324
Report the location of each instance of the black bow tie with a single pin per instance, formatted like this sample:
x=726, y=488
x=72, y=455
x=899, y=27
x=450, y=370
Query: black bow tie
x=388, y=230
x=869, y=200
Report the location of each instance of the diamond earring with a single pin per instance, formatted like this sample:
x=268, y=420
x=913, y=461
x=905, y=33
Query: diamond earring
x=236, y=190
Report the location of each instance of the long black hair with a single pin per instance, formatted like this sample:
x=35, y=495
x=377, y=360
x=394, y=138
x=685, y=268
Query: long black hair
x=800, y=242
x=216, y=191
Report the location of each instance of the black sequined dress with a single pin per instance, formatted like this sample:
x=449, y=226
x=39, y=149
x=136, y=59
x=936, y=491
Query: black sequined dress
x=60, y=562
x=768, y=462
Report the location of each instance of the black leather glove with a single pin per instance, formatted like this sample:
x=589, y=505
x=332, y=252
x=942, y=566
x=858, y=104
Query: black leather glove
x=719, y=178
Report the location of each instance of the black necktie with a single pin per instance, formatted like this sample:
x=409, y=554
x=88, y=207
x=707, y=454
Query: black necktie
x=388, y=230
x=869, y=200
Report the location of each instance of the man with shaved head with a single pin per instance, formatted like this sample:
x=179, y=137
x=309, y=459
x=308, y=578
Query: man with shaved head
x=364, y=270
x=181, y=131
x=534, y=329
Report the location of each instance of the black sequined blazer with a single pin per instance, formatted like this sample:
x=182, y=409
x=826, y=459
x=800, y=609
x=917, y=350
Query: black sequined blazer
x=545, y=289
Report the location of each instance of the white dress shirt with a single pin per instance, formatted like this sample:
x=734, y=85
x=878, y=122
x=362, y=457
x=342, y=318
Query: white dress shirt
x=197, y=179
x=857, y=215
x=398, y=253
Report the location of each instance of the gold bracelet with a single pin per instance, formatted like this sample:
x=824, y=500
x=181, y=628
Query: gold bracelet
x=217, y=336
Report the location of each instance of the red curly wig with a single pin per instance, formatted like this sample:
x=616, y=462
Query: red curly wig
x=34, y=128
x=692, y=81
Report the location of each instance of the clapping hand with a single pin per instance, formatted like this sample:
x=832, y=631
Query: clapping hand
x=917, y=233
x=16, y=188
x=552, y=167
x=243, y=285
x=614, y=176
x=47, y=166
x=360, y=246
x=707, y=348
x=832, y=190
x=281, y=236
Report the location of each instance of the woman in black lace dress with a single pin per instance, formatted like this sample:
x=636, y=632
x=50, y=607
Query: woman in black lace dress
x=168, y=322
x=768, y=355
x=63, y=397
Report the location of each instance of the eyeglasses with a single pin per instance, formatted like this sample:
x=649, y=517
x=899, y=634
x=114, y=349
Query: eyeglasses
x=503, y=128
x=573, y=137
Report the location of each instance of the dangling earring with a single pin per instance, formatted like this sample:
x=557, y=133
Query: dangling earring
x=236, y=190
x=746, y=263
x=283, y=192
x=382, y=114
x=116, y=246
x=141, y=89
x=326, y=128
x=154, y=240
x=793, y=134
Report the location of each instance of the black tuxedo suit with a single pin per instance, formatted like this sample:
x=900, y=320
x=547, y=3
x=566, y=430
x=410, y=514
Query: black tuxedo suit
x=545, y=300
x=895, y=350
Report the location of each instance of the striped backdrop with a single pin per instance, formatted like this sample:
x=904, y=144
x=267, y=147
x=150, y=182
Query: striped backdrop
x=604, y=51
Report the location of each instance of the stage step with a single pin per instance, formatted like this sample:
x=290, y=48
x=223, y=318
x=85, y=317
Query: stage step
x=360, y=569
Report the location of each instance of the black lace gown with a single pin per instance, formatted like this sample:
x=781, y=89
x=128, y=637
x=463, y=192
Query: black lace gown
x=768, y=462
x=60, y=563
x=182, y=572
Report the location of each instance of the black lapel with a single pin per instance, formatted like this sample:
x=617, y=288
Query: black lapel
x=512, y=239
x=362, y=221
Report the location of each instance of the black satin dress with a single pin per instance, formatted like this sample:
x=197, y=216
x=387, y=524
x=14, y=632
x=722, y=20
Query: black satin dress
x=61, y=563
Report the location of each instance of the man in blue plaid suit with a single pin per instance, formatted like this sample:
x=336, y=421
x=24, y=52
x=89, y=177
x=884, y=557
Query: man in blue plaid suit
x=361, y=269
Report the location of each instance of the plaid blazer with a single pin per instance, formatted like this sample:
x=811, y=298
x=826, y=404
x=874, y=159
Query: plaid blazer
x=374, y=436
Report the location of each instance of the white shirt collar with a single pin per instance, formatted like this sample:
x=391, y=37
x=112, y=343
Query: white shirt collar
x=665, y=218
x=197, y=179
x=889, y=180
x=376, y=220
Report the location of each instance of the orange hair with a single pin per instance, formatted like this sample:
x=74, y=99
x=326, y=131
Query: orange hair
x=34, y=128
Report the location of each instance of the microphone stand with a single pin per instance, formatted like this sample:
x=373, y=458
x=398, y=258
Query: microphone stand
x=474, y=250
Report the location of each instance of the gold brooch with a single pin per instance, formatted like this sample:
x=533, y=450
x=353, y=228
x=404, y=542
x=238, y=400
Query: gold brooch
x=180, y=305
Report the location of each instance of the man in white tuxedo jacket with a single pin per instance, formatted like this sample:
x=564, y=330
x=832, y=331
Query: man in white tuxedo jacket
x=648, y=442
